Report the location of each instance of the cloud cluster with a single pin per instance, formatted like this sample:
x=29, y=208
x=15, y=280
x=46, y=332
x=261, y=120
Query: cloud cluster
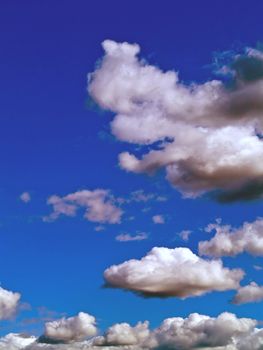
x=178, y=272
x=9, y=302
x=99, y=205
x=225, y=332
x=249, y=294
x=71, y=329
x=229, y=241
x=208, y=135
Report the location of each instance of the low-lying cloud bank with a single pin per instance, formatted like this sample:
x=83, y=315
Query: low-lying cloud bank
x=225, y=332
x=178, y=272
x=209, y=135
x=229, y=241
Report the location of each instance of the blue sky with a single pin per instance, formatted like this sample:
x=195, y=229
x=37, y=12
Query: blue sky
x=56, y=141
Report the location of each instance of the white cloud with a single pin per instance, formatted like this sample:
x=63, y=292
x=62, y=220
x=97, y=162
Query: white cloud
x=71, y=329
x=230, y=241
x=99, y=205
x=9, y=302
x=14, y=341
x=224, y=332
x=249, y=294
x=123, y=334
x=126, y=237
x=25, y=197
x=158, y=219
x=208, y=134
x=175, y=272
x=199, y=331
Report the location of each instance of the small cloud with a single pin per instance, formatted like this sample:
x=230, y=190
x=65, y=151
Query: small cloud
x=185, y=234
x=99, y=228
x=25, y=197
x=258, y=268
x=126, y=237
x=158, y=219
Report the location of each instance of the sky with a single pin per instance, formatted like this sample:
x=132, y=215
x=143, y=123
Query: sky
x=131, y=175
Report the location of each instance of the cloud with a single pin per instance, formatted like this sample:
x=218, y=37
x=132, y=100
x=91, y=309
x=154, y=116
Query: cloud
x=71, y=329
x=199, y=331
x=99, y=205
x=209, y=136
x=175, y=272
x=158, y=219
x=126, y=237
x=224, y=332
x=25, y=197
x=14, y=341
x=9, y=303
x=185, y=234
x=230, y=241
x=249, y=294
x=123, y=334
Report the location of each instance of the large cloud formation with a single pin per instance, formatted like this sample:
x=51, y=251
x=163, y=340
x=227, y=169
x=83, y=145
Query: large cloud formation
x=229, y=241
x=178, y=272
x=225, y=332
x=71, y=329
x=99, y=204
x=9, y=302
x=209, y=136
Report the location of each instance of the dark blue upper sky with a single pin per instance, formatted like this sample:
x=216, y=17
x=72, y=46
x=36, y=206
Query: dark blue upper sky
x=54, y=140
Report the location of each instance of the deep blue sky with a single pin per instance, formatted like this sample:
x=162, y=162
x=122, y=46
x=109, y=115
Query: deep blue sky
x=53, y=141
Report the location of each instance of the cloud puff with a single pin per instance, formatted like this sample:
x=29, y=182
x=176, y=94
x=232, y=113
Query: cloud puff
x=249, y=294
x=158, y=219
x=209, y=135
x=175, y=272
x=9, y=302
x=230, y=241
x=123, y=334
x=25, y=197
x=126, y=237
x=225, y=332
x=71, y=329
x=99, y=205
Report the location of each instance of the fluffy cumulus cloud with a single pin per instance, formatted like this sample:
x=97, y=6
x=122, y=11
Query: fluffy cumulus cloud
x=249, y=294
x=9, y=302
x=123, y=334
x=175, y=272
x=229, y=241
x=71, y=329
x=225, y=332
x=99, y=205
x=207, y=136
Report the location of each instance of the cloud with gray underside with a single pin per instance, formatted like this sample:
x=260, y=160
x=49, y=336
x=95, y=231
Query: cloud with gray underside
x=208, y=135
